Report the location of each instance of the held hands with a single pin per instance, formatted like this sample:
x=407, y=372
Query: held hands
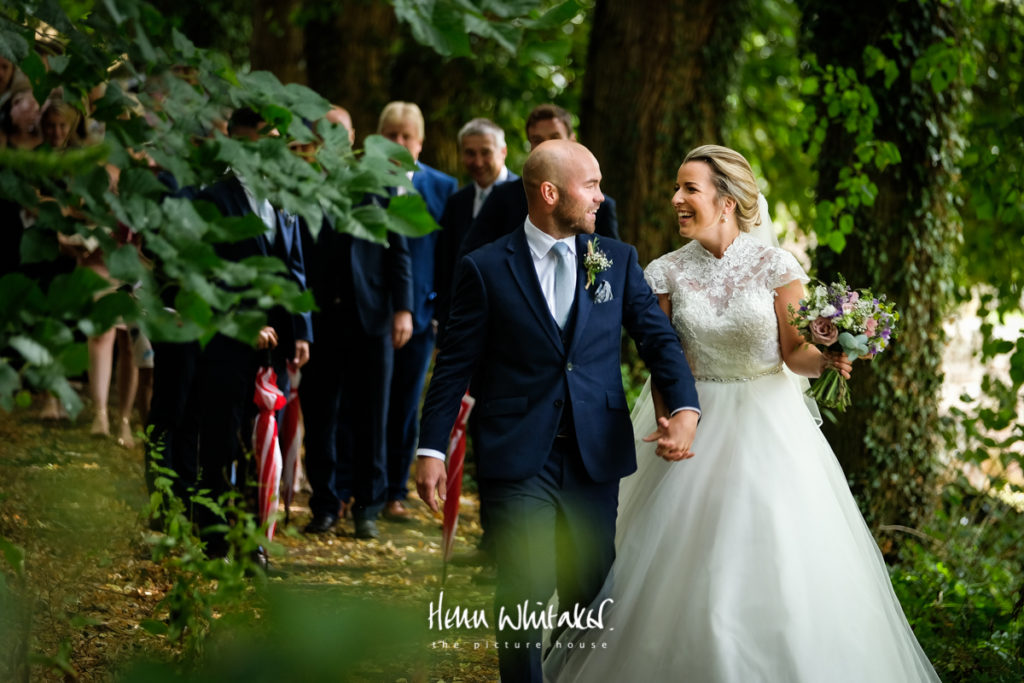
x=675, y=435
x=431, y=476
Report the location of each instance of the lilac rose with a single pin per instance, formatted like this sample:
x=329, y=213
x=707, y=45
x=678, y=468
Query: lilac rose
x=824, y=331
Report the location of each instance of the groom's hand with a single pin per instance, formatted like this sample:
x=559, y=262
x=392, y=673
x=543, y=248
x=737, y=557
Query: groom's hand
x=675, y=435
x=431, y=477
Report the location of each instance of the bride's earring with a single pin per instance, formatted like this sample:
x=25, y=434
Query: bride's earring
x=723, y=217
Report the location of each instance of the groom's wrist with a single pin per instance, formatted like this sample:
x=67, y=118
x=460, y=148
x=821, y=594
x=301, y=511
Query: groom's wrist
x=429, y=453
x=679, y=410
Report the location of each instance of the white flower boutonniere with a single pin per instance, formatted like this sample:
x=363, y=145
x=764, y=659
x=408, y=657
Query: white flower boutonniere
x=595, y=261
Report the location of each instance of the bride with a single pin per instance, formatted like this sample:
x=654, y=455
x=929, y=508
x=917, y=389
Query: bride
x=751, y=561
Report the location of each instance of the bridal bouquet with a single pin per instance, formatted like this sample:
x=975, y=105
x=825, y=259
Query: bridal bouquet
x=835, y=317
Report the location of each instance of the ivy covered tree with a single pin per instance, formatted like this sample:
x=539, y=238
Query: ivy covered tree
x=895, y=80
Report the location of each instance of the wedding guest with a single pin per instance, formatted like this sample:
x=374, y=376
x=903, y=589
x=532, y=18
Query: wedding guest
x=61, y=125
x=505, y=208
x=402, y=122
x=19, y=121
x=482, y=150
x=19, y=129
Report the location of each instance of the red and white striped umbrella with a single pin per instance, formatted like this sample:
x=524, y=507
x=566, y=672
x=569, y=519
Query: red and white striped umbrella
x=268, y=399
x=456, y=460
x=291, y=439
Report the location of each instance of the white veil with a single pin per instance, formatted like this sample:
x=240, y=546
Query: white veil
x=765, y=233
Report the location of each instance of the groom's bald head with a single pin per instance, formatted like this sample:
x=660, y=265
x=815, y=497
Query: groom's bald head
x=562, y=180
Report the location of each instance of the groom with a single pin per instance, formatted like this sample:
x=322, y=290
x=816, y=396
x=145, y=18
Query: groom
x=553, y=431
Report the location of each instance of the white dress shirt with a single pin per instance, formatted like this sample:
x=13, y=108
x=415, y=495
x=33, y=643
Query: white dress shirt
x=545, y=260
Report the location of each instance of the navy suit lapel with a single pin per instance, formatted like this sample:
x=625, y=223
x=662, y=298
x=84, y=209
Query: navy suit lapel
x=584, y=302
x=520, y=262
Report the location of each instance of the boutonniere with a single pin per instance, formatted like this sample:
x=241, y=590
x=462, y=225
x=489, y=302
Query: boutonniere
x=595, y=261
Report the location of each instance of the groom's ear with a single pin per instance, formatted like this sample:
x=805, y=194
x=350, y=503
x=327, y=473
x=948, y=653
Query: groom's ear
x=549, y=193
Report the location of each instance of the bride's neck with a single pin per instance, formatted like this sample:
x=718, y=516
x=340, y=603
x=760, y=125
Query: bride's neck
x=717, y=243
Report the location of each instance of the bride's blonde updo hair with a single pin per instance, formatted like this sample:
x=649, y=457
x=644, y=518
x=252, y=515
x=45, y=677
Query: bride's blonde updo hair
x=733, y=178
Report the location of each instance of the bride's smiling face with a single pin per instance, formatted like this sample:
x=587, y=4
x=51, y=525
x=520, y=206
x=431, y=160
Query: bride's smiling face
x=696, y=201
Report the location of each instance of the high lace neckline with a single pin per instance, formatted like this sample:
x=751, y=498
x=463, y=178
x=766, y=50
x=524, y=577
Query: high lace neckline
x=727, y=255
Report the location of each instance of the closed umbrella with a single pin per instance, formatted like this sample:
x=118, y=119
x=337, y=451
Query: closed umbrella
x=269, y=399
x=456, y=460
x=291, y=440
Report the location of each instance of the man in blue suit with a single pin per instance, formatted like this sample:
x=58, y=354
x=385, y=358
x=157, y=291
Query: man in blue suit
x=202, y=396
x=402, y=122
x=363, y=293
x=483, y=151
x=535, y=325
x=505, y=208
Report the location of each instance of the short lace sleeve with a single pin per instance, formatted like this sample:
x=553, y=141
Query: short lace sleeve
x=657, y=275
x=783, y=268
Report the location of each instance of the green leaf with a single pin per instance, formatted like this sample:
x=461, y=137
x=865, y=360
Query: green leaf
x=38, y=246
x=408, y=215
x=13, y=46
x=31, y=350
x=10, y=382
x=71, y=293
x=124, y=264
x=157, y=628
x=74, y=358
x=14, y=556
x=846, y=224
x=556, y=17
x=192, y=307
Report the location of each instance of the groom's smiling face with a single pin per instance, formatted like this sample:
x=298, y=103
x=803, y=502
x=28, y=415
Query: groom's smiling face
x=579, y=196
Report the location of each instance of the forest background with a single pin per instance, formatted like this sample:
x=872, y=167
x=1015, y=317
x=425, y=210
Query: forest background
x=888, y=137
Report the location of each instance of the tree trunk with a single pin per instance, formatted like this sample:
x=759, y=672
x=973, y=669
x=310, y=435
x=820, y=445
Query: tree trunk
x=277, y=42
x=658, y=73
x=903, y=246
x=349, y=57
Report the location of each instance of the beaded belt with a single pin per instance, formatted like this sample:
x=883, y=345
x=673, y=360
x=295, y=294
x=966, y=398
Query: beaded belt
x=774, y=371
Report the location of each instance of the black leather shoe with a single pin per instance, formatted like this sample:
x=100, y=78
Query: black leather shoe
x=366, y=528
x=320, y=524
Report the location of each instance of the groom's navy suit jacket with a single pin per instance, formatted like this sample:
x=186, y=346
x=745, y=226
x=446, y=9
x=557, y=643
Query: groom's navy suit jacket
x=502, y=336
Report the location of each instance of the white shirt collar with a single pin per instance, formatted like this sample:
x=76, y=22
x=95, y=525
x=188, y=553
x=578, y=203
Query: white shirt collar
x=502, y=177
x=540, y=242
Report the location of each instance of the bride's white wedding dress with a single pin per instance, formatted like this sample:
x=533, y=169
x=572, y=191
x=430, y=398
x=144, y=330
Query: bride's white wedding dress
x=751, y=561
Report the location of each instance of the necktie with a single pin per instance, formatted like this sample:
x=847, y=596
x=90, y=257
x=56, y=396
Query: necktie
x=481, y=197
x=565, y=286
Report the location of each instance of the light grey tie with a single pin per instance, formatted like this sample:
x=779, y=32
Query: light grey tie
x=481, y=197
x=565, y=284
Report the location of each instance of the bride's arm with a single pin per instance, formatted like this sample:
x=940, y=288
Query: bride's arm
x=801, y=357
x=665, y=302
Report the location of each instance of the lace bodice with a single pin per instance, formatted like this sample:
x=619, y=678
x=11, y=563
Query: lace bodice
x=724, y=309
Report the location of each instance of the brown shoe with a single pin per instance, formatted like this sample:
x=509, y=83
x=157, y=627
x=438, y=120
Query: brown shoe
x=396, y=512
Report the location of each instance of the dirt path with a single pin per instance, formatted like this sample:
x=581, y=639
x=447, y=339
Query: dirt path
x=345, y=609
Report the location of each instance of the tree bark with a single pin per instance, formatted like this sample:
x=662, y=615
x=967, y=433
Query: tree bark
x=277, y=42
x=658, y=73
x=903, y=246
x=349, y=57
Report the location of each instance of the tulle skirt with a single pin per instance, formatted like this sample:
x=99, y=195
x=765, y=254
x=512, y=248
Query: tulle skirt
x=749, y=562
